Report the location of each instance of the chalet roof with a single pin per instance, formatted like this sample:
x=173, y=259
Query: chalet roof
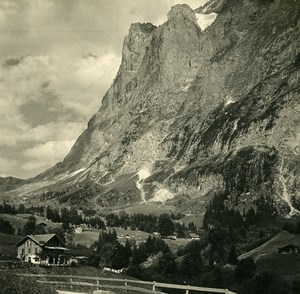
x=42, y=239
x=287, y=246
x=38, y=239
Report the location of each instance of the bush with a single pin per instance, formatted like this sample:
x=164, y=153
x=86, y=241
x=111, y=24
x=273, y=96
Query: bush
x=265, y=283
x=13, y=284
x=245, y=269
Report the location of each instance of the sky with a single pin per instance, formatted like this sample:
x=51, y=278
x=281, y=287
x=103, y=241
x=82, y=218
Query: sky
x=57, y=60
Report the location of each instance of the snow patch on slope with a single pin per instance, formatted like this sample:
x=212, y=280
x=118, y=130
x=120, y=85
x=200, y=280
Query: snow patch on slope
x=73, y=173
x=162, y=196
x=230, y=100
x=285, y=196
x=142, y=174
x=205, y=20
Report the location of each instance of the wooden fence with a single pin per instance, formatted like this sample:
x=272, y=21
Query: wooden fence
x=124, y=284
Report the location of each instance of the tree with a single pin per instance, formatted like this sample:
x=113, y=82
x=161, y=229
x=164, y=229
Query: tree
x=245, y=268
x=265, y=283
x=106, y=254
x=30, y=226
x=261, y=234
x=6, y=227
x=39, y=229
x=120, y=257
x=165, y=225
x=250, y=217
x=218, y=238
x=192, y=263
x=139, y=254
x=167, y=264
x=21, y=208
x=232, y=256
x=150, y=245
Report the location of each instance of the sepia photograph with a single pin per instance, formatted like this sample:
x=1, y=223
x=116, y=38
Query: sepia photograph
x=149, y=146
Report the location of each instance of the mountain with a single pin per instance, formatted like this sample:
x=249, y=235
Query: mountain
x=9, y=183
x=193, y=111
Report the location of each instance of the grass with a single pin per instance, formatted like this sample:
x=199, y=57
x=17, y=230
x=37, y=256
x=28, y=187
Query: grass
x=19, y=220
x=175, y=244
x=139, y=236
x=147, y=208
x=197, y=219
x=86, y=271
x=271, y=247
x=86, y=238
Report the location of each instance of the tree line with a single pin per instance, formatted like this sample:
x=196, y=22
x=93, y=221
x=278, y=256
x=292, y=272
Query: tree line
x=166, y=224
x=218, y=213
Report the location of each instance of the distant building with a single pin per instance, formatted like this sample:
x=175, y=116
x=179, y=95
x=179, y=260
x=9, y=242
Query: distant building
x=46, y=249
x=288, y=249
x=78, y=230
x=194, y=237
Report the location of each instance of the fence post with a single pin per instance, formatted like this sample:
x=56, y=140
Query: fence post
x=98, y=285
x=187, y=290
x=229, y=292
x=125, y=282
x=71, y=281
x=153, y=287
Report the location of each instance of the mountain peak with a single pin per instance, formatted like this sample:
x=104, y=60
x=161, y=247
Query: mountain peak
x=180, y=10
x=144, y=27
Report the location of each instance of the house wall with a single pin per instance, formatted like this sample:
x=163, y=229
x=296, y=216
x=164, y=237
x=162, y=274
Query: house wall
x=29, y=249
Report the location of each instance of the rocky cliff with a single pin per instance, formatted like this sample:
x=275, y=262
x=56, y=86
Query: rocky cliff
x=193, y=111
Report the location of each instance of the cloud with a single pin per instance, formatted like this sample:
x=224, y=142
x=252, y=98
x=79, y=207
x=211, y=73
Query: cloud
x=43, y=156
x=50, y=55
x=11, y=62
x=7, y=166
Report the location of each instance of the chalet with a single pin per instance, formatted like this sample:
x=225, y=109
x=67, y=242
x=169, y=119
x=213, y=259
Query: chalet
x=46, y=249
x=288, y=249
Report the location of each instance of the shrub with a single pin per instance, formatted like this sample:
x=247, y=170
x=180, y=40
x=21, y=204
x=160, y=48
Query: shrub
x=13, y=284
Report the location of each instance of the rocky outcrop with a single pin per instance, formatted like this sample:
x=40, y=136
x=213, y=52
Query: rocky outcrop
x=198, y=111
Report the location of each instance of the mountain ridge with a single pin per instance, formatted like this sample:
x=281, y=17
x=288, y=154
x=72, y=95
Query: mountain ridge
x=194, y=111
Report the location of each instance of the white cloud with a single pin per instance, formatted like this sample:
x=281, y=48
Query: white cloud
x=49, y=149
x=6, y=166
x=43, y=156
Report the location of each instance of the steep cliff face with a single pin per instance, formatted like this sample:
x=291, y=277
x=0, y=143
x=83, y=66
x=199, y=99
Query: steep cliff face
x=194, y=111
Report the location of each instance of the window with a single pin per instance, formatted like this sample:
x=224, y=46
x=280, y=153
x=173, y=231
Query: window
x=22, y=251
x=29, y=250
